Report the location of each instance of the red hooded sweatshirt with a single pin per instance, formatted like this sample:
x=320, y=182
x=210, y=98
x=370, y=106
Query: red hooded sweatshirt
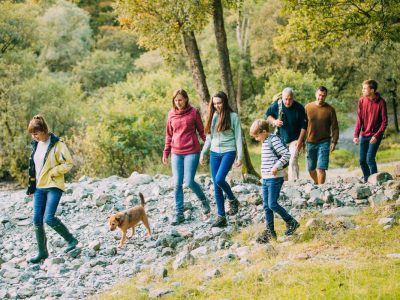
x=371, y=117
x=180, y=132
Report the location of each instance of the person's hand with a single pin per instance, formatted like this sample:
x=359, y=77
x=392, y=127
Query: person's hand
x=299, y=146
x=202, y=160
x=165, y=160
x=373, y=140
x=274, y=171
x=333, y=146
x=355, y=141
x=238, y=163
x=278, y=123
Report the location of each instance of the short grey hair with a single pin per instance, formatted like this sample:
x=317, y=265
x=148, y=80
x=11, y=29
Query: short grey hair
x=287, y=91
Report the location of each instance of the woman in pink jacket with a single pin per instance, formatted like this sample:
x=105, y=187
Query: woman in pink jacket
x=183, y=124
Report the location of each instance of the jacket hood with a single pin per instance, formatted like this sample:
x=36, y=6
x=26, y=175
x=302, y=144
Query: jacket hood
x=178, y=112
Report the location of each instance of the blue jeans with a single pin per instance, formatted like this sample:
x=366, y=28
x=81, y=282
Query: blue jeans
x=220, y=164
x=318, y=155
x=45, y=205
x=184, y=168
x=367, y=156
x=271, y=188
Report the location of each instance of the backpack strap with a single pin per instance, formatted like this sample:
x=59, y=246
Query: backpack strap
x=272, y=146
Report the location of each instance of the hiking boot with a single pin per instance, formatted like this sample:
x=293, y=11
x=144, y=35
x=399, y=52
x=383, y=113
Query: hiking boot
x=264, y=237
x=220, y=222
x=41, y=244
x=271, y=229
x=291, y=226
x=205, y=204
x=62, y=230
x=179, y=219
x=233, y=207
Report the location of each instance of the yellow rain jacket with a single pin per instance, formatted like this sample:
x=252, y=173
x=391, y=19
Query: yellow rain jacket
x=57, y=162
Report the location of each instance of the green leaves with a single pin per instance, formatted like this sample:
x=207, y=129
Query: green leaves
x=313, y=23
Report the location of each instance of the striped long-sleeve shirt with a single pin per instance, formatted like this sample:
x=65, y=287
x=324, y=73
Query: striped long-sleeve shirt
x=270, y=160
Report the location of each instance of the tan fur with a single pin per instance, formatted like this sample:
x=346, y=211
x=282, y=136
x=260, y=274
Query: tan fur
x=129, y=219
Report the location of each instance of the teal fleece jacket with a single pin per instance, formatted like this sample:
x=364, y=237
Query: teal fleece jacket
x=225, y=141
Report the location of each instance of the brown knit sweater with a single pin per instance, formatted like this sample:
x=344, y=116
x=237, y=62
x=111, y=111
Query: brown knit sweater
x=321, y=123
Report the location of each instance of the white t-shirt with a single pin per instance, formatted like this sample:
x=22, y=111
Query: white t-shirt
x=38, y=158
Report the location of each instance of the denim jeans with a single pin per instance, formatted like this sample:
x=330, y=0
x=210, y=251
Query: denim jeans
x=271, y=188
x=318, y=155
x=220, y=164
x=45, y=205
x=367, y=156
x=184, y=168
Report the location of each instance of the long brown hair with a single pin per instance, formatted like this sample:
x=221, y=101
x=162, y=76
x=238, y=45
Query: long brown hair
x=183, y=93
x=224, y=122
x=38, y=124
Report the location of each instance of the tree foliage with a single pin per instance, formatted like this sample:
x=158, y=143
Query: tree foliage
x=159, y=24
x=65, y=36
x=317, y=22
x=103, y=68
x=16, y=25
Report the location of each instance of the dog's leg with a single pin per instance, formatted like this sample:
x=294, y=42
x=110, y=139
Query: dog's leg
x=133, y=232
x=145, y=221
x=123, y=239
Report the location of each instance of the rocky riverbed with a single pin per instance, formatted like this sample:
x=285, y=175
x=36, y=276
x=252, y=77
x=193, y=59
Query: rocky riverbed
x=97, y=264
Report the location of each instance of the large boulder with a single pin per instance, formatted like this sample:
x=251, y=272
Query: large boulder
x=379, y=178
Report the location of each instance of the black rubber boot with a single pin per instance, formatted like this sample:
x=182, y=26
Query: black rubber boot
x=264, y=237
x=205, y=204
x=291, y=226
x=180, y=218
x=220, y=222
x=272, y=232
x=62, y=230
x=233, y=207
x=41, y=244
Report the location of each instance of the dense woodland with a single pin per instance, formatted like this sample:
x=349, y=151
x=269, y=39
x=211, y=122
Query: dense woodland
x=103, y=72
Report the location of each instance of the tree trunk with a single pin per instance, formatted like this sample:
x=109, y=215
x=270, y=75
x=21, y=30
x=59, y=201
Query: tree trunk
x=223, y=53
x=227, y=79
x=393, y=93
x=242, y=36
x=196, y=67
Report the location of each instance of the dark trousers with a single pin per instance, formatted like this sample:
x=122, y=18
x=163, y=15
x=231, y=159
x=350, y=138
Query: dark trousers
x=367, y=156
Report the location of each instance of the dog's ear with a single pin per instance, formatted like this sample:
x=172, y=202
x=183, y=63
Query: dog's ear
x=118, y=218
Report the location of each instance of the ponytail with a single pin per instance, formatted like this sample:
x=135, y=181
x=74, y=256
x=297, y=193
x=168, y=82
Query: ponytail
x=38, y=124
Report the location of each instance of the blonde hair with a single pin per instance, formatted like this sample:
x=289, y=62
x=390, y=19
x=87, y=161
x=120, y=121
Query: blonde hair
x=38, y=124
x=259, y=126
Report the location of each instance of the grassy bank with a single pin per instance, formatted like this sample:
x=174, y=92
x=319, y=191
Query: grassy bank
x=326, y=262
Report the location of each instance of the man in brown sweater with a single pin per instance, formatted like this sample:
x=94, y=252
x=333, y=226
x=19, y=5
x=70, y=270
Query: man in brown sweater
x=322, y=135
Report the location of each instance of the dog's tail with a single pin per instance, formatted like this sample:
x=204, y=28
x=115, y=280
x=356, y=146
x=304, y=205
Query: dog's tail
x=141, y=199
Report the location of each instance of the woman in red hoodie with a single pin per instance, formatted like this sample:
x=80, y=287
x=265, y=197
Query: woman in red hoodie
x=183, y=124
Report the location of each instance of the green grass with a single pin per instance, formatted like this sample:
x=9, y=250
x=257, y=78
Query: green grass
x=343, y=264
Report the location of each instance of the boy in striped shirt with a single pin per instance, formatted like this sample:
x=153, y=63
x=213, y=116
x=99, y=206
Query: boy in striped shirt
x=274, y=157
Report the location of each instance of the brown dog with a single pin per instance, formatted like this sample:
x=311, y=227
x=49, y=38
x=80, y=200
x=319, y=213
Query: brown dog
x=129, y=219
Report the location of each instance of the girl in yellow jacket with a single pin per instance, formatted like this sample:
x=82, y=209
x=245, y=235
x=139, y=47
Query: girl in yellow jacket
x=49, y=161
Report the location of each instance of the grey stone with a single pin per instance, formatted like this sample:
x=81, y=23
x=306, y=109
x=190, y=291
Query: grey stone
x=159, y=271
x=343, y=211
x=213, y=273
x=379, y=178
x=360, y=192
x=158, y=293
x=386, y=221
x=183, y=259
x=377, y=199
x=139, y=179
x=201, y=251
